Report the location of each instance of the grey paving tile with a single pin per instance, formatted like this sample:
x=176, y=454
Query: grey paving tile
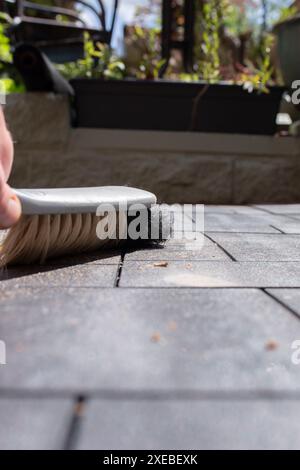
x=231, y=209
x=34, y=424
x=289, y=226
x=144, y=339
x=260, y=247
x=290, y=297
x=168, y=255
x=211, y=274
x=71, y=276
x=186, y=240
x=294, y=217
x=241, y=223
x=280, y=208
x=205, y=425
x=200, y=249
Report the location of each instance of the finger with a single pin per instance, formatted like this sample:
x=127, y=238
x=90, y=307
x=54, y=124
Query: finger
x=10, y=206
x=6, y=147
x=6, y=152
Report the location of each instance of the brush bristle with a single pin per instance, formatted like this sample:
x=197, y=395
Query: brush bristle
x=35, y=238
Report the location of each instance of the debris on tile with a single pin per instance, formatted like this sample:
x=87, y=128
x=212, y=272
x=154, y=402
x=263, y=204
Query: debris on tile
x=271, y=345
x=172, y=326
x=79, y=409
x=156, y=337
x=161, y=264
x=19, y=348
x=73, y=322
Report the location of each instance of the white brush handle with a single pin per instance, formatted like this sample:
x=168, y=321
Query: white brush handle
x=80, y=200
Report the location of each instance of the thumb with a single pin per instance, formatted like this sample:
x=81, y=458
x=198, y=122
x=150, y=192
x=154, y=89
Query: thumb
x=10, y=207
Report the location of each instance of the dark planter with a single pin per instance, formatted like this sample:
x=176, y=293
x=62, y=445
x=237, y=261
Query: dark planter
x=175, y=106
x=288, y=33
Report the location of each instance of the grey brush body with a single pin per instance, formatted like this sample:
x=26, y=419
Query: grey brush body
x=57, y=222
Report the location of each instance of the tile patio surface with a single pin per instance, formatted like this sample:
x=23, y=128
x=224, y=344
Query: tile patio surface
x=164, y=348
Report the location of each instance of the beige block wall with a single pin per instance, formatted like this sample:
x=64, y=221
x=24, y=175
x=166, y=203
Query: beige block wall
x=178, y=167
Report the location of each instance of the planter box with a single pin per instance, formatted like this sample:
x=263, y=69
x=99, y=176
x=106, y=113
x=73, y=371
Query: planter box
x=165, y=105
x=288, y=33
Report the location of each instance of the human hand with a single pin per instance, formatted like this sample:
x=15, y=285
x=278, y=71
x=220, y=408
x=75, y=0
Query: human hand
x=10, y=207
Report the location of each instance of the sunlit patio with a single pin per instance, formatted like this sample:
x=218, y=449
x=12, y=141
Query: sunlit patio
x=181, y=345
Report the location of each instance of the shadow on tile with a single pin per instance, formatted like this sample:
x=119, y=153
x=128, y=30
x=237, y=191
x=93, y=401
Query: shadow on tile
x=98, y=258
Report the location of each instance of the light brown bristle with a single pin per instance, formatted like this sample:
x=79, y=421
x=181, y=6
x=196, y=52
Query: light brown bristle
x=35, y=238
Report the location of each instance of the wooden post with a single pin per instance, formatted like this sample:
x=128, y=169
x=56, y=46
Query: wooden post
x=187, y=44
x=189, y=34
x=166, y=28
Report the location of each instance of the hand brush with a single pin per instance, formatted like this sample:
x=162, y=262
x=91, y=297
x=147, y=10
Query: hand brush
x=57, y=222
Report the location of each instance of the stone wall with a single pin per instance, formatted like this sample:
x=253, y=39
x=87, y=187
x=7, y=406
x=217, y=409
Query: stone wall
x=178, y=167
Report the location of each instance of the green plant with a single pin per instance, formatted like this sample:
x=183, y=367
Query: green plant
x=188, y=77
x=151, y=62
x=235, y=18
x=10, y=81
x=5, y=50
x=260, y=76
x=220, y=24
x=210, y=22
x=287, y=12
x=98, y=62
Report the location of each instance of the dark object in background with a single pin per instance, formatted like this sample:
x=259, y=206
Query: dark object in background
x=38, y=72
x=288, y=35
x=58, y=31
x=175, y=106
x=171, y=38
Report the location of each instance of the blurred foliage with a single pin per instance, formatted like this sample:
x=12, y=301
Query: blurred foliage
x=151, y=62
x=5, y=54
x=287, y=12
x=210, y=18
x=99, y=62
x=234, y=16
x=223, y=28
x=260, y=76
x=8, y=76
x=222, y=31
